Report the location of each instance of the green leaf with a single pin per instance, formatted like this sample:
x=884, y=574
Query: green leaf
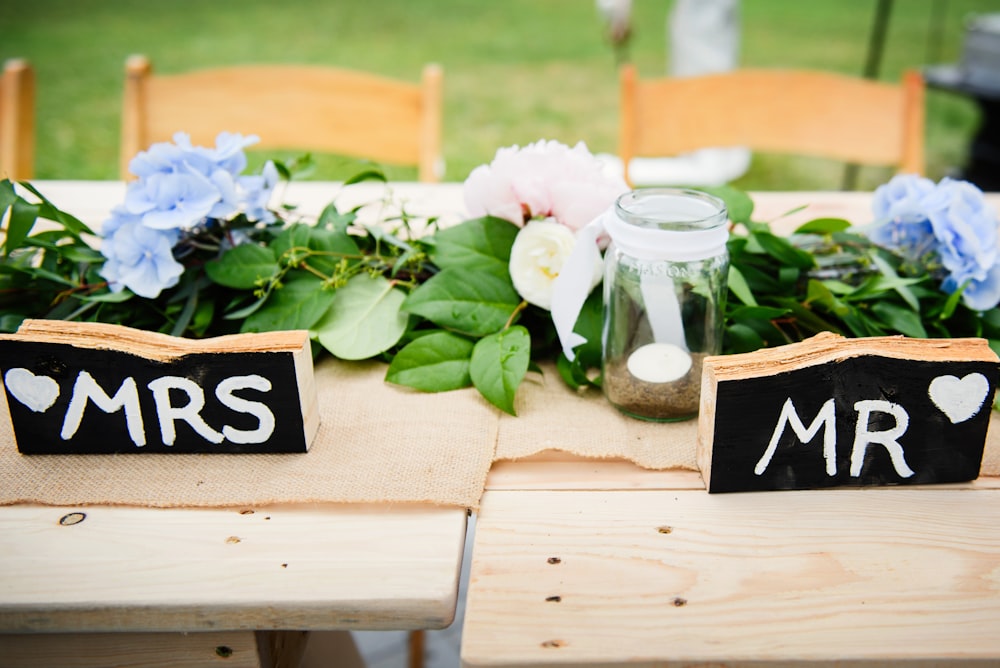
x=471, y=302
x=839, y=287
x=436, y=362
x=330, y=246
x=823, y=226
x=953, y=301
x=333, y=219
x=364, y=318
x=783, y=251
x=244, y=267
x=244, y=311
x=807, y=320
x=292, y=245
x=788, y=277
x=108, y=297
x=9, y=322
x=49, y=211
x=7, y=194
x=758, y=313
x=373, y=174
x=903, y=320
x=572, y=373
x=817, y=292
x=22, y=218
x=742, y=339
x=475, y=243
x=876, y=286
x=739, y=206
x=590, y=325
x=902, y=290
x=738, y=286
x=298, y=304
x=499, y=364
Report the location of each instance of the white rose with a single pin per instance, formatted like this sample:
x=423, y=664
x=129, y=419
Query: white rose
x=539, y=252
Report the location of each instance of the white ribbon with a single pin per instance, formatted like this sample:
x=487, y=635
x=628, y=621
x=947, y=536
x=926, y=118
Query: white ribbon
x=572, y=285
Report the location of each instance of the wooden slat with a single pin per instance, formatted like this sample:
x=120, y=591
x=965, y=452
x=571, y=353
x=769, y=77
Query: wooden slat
x=17, y=120
x=289, y=107
x=801, y=112
x=672, y=578
x=303, y=567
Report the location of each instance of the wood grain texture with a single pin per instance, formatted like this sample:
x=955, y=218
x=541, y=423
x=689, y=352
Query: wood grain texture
x=681, y=578
x=557, y=470
x=17, y=120
x=297, y=567
x=801, y=112
x=292, y=107
x=232, y=649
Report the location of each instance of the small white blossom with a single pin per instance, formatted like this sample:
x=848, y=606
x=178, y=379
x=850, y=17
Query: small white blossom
x=539, y=252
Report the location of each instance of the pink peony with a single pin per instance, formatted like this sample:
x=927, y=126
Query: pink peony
x=542, y=180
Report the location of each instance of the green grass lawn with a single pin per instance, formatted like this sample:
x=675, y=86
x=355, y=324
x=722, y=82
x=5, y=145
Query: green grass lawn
x=515, y=71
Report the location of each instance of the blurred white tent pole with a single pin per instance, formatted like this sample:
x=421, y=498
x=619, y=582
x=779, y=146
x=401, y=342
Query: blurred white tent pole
x=703, y=36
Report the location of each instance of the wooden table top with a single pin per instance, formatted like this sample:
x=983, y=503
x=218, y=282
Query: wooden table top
x=651, y=571
x=288, y=567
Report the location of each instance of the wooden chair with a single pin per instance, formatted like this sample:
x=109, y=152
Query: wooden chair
x=289, y=107
x=17, y=120
x=800, y=112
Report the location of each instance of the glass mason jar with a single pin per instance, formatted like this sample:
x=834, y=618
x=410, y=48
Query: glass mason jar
x=664, y=296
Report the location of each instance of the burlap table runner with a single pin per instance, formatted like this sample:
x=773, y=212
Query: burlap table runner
x=377, y=443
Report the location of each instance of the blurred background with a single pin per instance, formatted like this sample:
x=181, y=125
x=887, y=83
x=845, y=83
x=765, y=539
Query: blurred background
x=515, y=71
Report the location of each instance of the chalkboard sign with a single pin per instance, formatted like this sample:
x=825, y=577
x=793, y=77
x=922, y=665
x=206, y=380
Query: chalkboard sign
x=87, y=388
x=833, y=412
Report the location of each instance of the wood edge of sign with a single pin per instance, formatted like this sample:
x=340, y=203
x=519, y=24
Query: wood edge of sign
x=308, y=394
x=823, y=348
x=829, y=347
x=154, y=345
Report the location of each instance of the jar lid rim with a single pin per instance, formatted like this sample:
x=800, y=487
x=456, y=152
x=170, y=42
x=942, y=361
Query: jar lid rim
x=712, y=211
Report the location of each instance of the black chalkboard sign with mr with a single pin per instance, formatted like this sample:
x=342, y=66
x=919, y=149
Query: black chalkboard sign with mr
x=831, y=411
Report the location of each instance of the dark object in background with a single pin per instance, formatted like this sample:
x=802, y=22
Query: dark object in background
x=978, y=76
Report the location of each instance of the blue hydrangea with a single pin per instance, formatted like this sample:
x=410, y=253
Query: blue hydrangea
x=139, y=258
x=947, y=224
x=180, y=188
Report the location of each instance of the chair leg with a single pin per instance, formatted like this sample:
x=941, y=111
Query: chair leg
x=416, y=649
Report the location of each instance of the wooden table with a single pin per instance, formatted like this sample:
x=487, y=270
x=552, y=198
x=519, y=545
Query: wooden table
x=575, y=562
x=197, y=583
x=601, y=563
x=588, y=563
x=98, y=586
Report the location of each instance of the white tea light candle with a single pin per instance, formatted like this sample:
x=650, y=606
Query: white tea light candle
x=659, y=363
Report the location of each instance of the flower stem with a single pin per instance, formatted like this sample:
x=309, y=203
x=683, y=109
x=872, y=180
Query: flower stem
x=520, y=307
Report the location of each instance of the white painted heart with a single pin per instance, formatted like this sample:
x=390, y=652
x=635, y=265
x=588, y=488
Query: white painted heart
x=959, y=398
x=36, y=392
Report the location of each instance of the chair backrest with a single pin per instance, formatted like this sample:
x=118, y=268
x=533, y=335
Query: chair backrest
x=289, y=107
x=800, y=112
x=17, y=120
